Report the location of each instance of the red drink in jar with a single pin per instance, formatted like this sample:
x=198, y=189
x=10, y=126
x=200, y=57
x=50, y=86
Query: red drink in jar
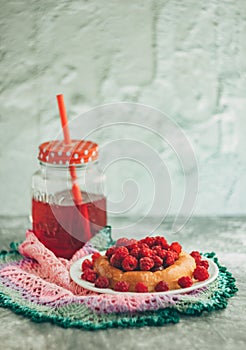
x=60, y=224
x=61, y=227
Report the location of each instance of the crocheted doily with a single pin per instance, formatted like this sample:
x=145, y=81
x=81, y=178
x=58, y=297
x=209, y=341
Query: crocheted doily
x=37, y=284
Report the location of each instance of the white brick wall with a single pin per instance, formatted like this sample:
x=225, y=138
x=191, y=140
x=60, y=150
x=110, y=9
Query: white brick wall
x=186, y=58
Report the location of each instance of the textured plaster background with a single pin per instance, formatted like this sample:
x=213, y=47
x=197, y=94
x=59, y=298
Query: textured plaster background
x=186, y=58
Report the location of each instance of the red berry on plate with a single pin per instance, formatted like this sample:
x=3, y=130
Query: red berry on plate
x=143, y=245
x=185, y=282
x=131, y=243
x=175, y=255
x=156, y=248
x=122, y=242
x=146, y=264
x=121, y=253
x=141, y=288
x=110, y=251
x=129, y=263
x=196, y=255
x=150, y=241
x=159, y=251
x=158, y=261
x=102, y=282
x=200, y=273
x=114, y=261
x=135, y=252
x=162, y=286
x=132, y=246
x=86, y=264
x=145, y=252
x=162, y=242
x=170, y=258
x=203, y=263
x=121, y=286
x=95, y=256
x=89, y=275
x=176, y=247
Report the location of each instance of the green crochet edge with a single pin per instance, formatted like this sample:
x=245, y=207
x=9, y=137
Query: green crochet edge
x=149, y=319
x=139, y=319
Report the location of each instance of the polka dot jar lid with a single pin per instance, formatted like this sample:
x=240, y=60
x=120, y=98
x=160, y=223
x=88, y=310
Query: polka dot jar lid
x=59, y=153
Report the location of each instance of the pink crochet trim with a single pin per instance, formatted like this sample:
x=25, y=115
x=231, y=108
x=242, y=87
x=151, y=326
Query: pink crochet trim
x=51, y=268
x=44, y=278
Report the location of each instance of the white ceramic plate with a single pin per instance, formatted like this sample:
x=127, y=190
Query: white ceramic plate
x=75, y=273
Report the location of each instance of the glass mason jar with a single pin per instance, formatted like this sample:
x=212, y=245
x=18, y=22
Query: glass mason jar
x=68, y=201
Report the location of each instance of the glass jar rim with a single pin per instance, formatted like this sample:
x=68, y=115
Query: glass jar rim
x=67, y=166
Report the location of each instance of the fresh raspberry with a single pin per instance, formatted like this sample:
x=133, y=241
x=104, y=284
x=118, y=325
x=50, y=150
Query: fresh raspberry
x=159, y=251
x=133, y=246
x=110, y=251
x=162, y=242
x=89, y=275
x=145, y=252
x=162, y=286
x=157, y=261
x=197, y=260
x=143, y=245
x=102, y=282
x=146, y=264
x=86, y=264
x=141, y=287
x=200, y=273
x=185, y=282
x=121, y=286
x=114, y=261
x=131, y=243
x=95, y=256
x=197, y=256
x=175, y=255
x=203, y=263
x=176, y=247
x=121, y=253
x=122, y=242
x=129, y=263
x=162, y=254
x=150, y=241
x=156, y=248
x=135, y=252
x=170, y=258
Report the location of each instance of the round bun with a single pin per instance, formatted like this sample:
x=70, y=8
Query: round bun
x=184, y=266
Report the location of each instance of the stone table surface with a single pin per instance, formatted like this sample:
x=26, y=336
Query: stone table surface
x=220, y=329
